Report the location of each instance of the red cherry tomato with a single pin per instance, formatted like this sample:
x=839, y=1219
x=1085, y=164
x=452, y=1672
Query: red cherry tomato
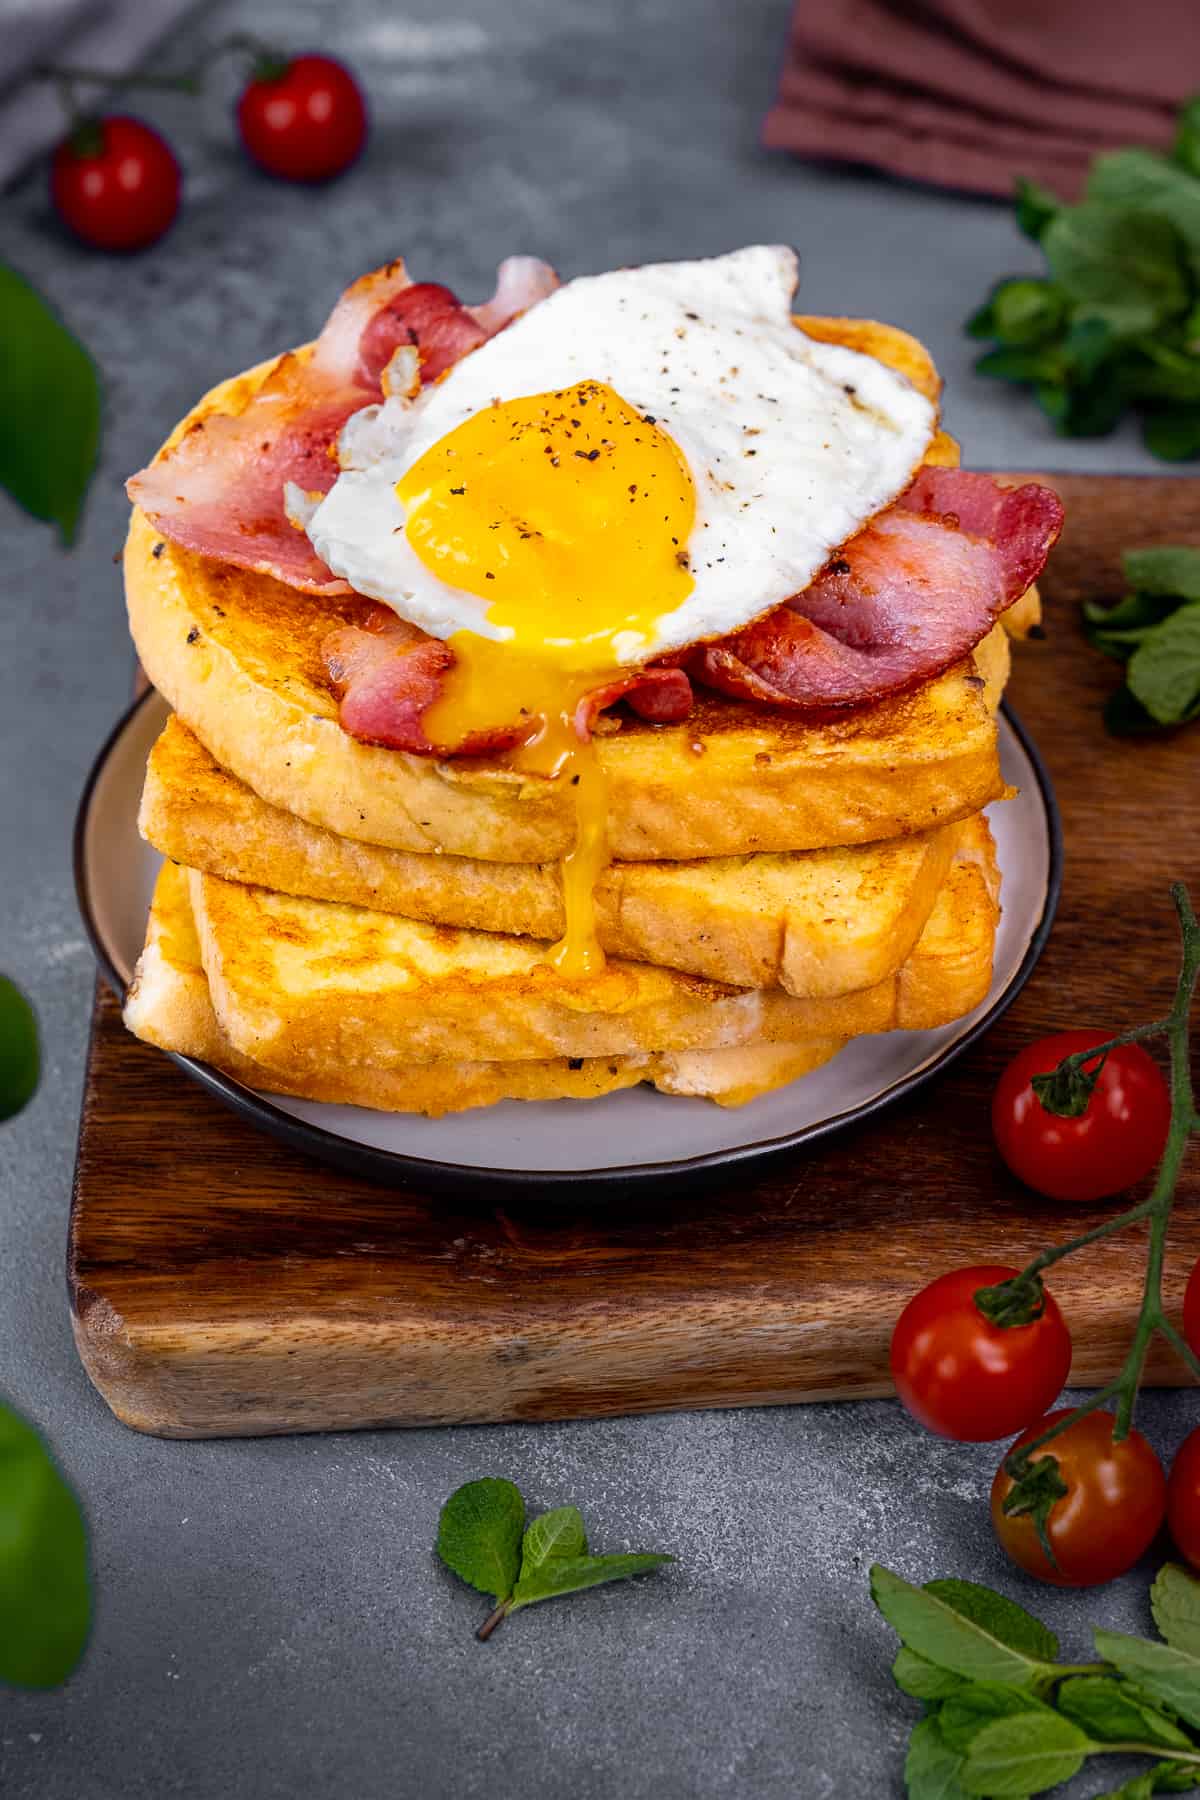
x=1112, y=1145
x=115, y=184
x=964, y=1377
x=1191, y=1310
x=1183, y=1499
x=1114, y=1505
x=307, y=122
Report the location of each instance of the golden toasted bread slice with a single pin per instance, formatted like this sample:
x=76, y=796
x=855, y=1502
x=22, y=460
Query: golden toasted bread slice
x=813, y=922
x=304, y=985
x=168, y=1005
x=239, y=658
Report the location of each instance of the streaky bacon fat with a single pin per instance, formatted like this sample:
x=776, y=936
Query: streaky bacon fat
x=387, y=674
x=909, y=595
x=220, y=490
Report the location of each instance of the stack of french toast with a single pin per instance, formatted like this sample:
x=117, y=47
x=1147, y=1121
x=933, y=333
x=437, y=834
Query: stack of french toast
x=347, y=922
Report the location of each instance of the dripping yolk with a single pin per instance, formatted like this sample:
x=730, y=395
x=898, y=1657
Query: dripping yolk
x=568, y=514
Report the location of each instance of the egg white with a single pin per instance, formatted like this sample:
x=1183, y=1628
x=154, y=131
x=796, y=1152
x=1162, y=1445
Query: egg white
x=792, y=444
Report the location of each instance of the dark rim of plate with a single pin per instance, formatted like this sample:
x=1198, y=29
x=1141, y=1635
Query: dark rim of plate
x=395, y=1167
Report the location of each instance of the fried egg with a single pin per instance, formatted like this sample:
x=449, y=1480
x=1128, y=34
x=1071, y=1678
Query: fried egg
x=645, y=460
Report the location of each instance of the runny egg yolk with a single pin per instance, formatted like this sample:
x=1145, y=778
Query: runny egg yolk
x=569, y=514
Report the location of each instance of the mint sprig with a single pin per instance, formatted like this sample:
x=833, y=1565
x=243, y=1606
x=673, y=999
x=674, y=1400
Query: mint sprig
x=1003, y=1716
x=1114, y=322
x=483, y=1537
x=1155, y=632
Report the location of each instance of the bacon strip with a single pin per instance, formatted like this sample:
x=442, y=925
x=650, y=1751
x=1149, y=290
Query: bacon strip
x=220, y=490
x=908, y=596
x=387, y=674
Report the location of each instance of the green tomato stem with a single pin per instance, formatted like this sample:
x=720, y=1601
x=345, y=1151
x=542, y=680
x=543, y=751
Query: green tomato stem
x=1156, y=1207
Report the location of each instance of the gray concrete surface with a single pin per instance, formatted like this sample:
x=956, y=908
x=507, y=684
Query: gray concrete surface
x=270, y=1621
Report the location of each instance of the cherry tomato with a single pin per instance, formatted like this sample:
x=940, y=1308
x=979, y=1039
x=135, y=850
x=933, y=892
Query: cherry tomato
x=116, y=184
x=1191, y=1310
x=1117, y=1141
x=306, y=122
x=1183, y=1499
x=964, y=1377
x=1114, y=1505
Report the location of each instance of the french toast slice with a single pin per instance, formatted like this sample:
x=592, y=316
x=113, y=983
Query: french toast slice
x=813, y=922
x=168, y=1005
x=303, y=985
x=238, y=656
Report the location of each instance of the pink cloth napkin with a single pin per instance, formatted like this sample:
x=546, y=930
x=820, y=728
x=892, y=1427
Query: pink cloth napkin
x=973, y=93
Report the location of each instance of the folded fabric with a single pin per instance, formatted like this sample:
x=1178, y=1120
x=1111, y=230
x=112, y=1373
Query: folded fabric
x=973, y=93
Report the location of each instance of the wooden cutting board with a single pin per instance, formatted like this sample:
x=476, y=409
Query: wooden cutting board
x=222, y=1284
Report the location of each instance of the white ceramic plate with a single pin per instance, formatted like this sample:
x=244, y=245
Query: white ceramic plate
x=629, y=1139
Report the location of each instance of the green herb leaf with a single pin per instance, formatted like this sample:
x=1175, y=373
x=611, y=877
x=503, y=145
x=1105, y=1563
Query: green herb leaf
x=1023, y=1755
x=45, y=1604
x=1107, y=1709
x=1186, y=149
x=995, y=1641
x=1126, y=717
x=1119, y=629
x=1115, y=256
x=1175, y=1603
x=1041, y=363
x=965, y=1714
x=1027, y=311
x=1167, y=1674
x=479, y=1535
x=50, y=420
x=1170, y=570
x=931, y=1768
x=1163, y=1778
x=922, y=1680
x=20, y=1056
x=1141, y=181
x=1164, y=670
x=1173, y=433
x=556, y=1536
x=568, y=1575
x=1036, y=206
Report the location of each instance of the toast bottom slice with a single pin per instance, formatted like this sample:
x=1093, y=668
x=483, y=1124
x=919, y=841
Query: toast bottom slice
x=304, y=985
x=168, y=1005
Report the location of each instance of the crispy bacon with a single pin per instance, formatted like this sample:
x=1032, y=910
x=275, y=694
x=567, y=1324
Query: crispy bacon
x=387, y=674
x=911, y=594
x=220, y=489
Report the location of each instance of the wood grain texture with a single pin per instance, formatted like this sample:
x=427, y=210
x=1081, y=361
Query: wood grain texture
x=222, y=1284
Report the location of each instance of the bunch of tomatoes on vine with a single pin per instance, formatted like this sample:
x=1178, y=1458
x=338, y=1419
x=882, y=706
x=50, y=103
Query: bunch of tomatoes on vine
x=983, y=1352
x=116, y=183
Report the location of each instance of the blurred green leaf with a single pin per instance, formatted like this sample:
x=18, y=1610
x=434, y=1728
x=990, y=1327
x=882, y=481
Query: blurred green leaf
x=1118, y=257
x=50, y=409
x=1146, y=182
x=20, y=1056
x=1036, y=207
x=1186, y=148
x=1173, y=432
x=1166, y=571
x=45, y=1602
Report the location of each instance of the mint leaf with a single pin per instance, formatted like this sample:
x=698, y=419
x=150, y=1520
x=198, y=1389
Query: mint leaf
x=568, y=1575
x=1164, y=671
x=1023, y=1755
x=997, y=1614
x=20, y=1056
x=937, y=1628
x=479, y=1535
x=45, y=1603
x=1163, y=1778
x=931, y=1768
x=1126, y=717
x=555, y=1536
x=1122, y=257
x=1175, y=1603
x=1106, y=1709
x=966, y=1713
x=1118, y=630
x=1186, y=149
x=1173, y=433
x=1009, y=363
x=1171, y=570
x=50, y=421
x=1143, y=181
x=1036, y=206
x=1167, y=1674
x=922, y=1680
